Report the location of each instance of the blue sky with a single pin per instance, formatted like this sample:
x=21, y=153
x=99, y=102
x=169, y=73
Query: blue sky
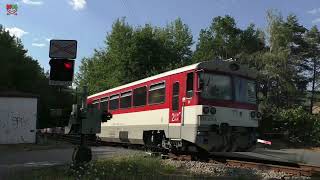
x=38, y=21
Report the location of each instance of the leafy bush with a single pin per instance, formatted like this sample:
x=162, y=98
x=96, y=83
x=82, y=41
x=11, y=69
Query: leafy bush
x=301, y=127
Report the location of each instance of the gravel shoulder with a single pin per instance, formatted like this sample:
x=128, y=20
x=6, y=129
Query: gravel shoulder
x=221, y=170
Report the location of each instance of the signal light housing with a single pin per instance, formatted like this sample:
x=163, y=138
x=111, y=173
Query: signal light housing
x=61, y=69
x=106, y=116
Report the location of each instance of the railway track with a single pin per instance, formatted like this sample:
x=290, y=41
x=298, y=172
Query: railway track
x=291, y=168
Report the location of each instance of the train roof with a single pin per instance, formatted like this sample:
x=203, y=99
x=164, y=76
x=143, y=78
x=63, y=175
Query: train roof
x=216, y=65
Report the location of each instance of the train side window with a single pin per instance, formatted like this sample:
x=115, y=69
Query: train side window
x=114, y=102
x=95, y=104
x=157, y=93
x=140, y=96
x=90, y=107
x=189, y=85
x=125, y=100
x=175, y=96
x=104, y=103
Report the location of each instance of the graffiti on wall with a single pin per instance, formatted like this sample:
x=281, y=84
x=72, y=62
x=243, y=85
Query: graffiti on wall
x=13, y=120
x=3, y=119
x=18, y=120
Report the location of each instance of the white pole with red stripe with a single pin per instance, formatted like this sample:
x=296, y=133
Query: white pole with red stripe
x=264, y=141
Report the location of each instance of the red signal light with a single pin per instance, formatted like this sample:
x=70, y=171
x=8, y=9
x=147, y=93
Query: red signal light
x=67, y=65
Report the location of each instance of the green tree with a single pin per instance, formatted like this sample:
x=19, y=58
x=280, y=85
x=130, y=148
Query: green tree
x=135, y=53
x=22, y=73
x=284, y=64
x=224, y=40
x=313, y=53
x=219, y=41
x=181, y=38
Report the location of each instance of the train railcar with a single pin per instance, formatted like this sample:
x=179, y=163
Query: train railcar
x=207, y=106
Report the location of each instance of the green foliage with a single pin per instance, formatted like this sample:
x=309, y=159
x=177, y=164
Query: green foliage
x=223, y=40
x=125, y=167
x=22, y=73
x=135, y=53
x=301, y=126
x=283, y=67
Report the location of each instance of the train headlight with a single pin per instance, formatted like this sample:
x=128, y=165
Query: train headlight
x=253, y=114
x=213, y=110
x=259, y=114
x=205, y=110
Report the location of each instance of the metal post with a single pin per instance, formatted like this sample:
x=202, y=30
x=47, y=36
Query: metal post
x=82, y=153
x=84, y=109
x=84, y=97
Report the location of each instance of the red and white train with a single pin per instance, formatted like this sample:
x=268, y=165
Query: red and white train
x=207, y=106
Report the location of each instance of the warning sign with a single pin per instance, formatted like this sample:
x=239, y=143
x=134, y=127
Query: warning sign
x=63, y=49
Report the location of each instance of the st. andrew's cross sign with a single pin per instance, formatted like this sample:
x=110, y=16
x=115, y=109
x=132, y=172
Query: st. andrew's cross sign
x=63, y=49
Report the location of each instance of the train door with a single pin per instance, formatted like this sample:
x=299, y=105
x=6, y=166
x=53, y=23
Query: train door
x=175, y=112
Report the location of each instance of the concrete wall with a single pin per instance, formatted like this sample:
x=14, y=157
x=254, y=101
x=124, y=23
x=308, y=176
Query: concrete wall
x=18, y=117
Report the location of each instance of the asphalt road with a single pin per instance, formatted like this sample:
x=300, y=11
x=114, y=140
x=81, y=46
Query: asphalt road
x=24, y=159
x=285, y=155
x=292, y=155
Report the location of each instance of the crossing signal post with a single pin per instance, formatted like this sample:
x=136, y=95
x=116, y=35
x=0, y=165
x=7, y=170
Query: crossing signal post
x=90, y=124
x=62, y=54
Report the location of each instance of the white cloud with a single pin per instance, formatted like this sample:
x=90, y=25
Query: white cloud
x=17, y=32
x=77, y=4
x=38, y=44
x=48, y=39
x=32, y=2
x=315, y=21
x=314, y=11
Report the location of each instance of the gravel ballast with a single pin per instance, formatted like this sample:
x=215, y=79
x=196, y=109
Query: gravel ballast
x=211, y=169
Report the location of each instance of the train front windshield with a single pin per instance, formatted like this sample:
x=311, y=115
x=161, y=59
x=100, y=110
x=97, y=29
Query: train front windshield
x=219, y=87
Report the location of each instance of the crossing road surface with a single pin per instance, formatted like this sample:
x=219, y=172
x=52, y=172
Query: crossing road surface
x=10, y=160
x=287, y=155
x=294, y=155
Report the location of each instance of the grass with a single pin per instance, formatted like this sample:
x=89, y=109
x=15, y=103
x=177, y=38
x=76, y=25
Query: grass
x=119, y=167
x=128, y=167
